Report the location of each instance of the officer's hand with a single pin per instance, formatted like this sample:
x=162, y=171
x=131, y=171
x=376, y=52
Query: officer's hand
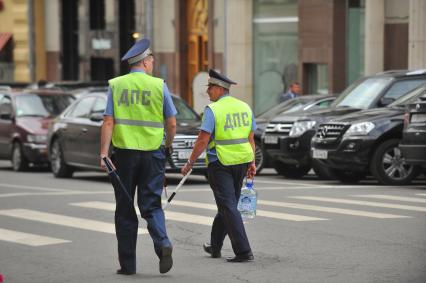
x=186, y=168
x=169, y=152
x=103, y=166
x=251, y=170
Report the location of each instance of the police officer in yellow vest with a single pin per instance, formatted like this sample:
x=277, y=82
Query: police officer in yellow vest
x=138, y=107
x=227, y=132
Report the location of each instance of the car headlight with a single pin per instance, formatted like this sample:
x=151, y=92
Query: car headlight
x=300, y=127
x=360, y=128
x=37, y=138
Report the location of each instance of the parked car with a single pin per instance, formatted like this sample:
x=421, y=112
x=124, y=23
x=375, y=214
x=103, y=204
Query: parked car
x=74, y=137
x=287, y=138
x=413, y=143
x=366, y=142
x=24, y=121
x=303, y=102
x=77, y=92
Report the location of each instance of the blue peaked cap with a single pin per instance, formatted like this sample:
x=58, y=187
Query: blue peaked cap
x=138, y=51
x=220, y=80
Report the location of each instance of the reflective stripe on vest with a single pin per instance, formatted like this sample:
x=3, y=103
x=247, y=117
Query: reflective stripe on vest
x=234, y=141
x=139, y=123
x=233, y=124
x=138, y=111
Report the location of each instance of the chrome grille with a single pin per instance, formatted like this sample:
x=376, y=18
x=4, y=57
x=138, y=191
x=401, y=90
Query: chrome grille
x=330, y=132
x=281, y=128
x=184, y=145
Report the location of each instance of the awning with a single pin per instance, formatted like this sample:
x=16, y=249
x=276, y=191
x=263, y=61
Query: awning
x=4, y=38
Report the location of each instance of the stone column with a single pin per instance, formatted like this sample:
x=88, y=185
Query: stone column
x=239, y=47
x=417, y=35
x=374, y=36
x=84, y=40
x=53, y=39
x=163, y=40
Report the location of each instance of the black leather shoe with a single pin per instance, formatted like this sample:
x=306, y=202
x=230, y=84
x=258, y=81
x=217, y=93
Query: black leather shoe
x=208, y=249
x=241, y=258
x=124, y=272
x=166, y=260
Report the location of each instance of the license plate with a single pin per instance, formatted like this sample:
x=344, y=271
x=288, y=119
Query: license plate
x=185, y=154
x=319, y=154
x=271, y=139
x=418, y=118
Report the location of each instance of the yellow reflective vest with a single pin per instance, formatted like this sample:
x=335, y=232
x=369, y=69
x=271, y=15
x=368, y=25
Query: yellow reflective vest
x=233, y=124
x=138, y=111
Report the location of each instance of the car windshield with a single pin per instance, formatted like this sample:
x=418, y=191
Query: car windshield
x=184, y=112
x=284, y=107
x=361, y=95
x=409, y=97
x=41, y=105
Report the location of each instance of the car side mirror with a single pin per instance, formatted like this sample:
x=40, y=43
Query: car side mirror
x=6, y=111
x=385, y=101
x=96, y=117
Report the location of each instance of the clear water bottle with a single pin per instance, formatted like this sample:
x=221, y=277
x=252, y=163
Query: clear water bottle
x=248, y=200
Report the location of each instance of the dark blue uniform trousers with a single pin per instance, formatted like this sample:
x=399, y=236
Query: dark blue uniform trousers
x=144, y=171
x=226, y=182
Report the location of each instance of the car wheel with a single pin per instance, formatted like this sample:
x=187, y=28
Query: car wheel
x=259, y=158
x=19, y=161
x=59, y=168
x=347, y=176
x=291, y=171
x=323, y=172
x=388, y=165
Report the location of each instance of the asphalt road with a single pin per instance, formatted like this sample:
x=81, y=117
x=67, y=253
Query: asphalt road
x=61, y=230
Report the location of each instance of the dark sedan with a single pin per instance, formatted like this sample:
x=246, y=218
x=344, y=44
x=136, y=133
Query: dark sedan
x=74, y=137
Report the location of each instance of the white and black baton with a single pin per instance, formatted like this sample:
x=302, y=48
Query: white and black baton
x=177, y=188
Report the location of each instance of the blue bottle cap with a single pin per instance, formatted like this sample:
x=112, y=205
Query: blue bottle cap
x=249, y=183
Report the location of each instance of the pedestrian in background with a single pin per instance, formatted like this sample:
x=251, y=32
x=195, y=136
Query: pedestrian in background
x=227, y=131
x=138, y=107
x=293, y=92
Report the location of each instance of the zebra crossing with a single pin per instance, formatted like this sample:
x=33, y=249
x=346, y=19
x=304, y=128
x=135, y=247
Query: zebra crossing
x=359, y=205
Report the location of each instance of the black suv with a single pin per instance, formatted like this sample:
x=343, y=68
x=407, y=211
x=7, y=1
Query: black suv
x=303, y=102
x=287, y=138
x=367, y=142
x=413, y=144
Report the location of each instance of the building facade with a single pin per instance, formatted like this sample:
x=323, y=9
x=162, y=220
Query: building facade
x=264, y=45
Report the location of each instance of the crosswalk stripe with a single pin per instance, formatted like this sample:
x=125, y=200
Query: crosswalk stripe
x=421, y=195
x=262, y=213
x=170, y=215
x=388, y=197
x=192, y=218
x=28, y=239
x=4, y=185
x=366, y=203
x=69, y=193
x=63, y=220
x=331, y=209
